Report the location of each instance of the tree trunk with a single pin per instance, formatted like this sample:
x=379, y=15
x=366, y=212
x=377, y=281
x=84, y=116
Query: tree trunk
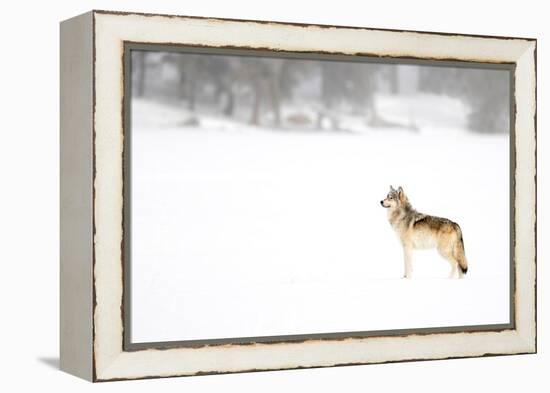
x=255, y=117
x=275, y=100
x=192, y=97
x=140, y=88
x=394, y=79
x=230, y=105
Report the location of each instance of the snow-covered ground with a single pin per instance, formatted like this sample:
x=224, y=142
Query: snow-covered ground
x=239, y=231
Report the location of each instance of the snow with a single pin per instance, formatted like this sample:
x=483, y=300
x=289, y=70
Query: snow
x=450, y=113
x=239, y=231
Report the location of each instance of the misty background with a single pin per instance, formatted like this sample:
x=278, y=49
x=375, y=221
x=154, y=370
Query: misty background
x=289, y=93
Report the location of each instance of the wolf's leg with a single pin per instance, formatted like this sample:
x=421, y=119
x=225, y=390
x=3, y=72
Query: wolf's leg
x=448, y=255
x=454, y=270
x=407, y=253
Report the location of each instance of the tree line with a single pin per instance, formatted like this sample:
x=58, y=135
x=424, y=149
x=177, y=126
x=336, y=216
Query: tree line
x=251, y=86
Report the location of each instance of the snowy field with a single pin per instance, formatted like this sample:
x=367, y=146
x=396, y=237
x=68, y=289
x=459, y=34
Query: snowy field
x=239, y=231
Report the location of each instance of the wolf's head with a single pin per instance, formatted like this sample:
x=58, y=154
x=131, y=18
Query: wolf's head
x=395, y=198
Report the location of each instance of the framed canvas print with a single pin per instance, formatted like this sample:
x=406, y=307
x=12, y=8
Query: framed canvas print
x=243, y=195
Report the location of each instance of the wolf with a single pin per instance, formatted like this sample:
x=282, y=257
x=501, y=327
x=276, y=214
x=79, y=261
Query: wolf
x=420, y=231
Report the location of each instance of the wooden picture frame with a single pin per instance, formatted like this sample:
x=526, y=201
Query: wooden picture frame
x=94, y=265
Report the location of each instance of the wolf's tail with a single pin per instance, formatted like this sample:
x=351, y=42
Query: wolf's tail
x=459, y=253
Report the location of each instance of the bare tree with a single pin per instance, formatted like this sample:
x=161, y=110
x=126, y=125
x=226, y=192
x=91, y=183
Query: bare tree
x=486, y=92
x=262, y=77
x=140, y=71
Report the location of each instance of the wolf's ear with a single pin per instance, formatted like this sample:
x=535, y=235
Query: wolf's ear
x=402, y=197
x=391, y=188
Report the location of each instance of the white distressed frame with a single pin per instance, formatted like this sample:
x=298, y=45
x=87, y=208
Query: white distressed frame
x=106, y=359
